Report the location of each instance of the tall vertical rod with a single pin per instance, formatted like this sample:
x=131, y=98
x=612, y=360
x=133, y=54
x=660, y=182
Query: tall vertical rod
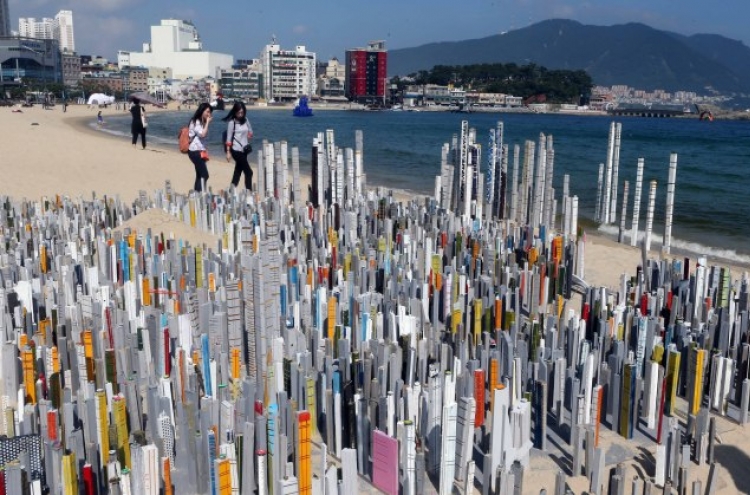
x=650, y=214
x=670, y=202
x=637, y=203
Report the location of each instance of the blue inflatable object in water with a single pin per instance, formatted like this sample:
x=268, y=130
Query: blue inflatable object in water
x=302, y=110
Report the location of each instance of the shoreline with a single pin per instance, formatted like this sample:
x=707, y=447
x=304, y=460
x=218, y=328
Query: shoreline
x=101, y=163
x=52, y=153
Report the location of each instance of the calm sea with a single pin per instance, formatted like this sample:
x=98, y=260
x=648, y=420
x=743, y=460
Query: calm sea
x=402, y=150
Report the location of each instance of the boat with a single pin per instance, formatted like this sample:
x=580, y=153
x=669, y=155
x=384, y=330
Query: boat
x=301, y=109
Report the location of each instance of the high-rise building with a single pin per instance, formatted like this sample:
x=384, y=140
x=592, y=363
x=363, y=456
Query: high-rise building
x=63, y=31
x=366, y=73
x=41, y=29
x=59, y=29
x=4, y=18
x=287, y=74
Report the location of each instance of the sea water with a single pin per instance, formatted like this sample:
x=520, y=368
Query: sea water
x=402, y=151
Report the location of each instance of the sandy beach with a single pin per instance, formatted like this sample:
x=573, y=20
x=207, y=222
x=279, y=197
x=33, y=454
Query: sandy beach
x=47, y=153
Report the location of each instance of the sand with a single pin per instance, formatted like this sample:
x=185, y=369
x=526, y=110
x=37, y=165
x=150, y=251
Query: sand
x=48, y=153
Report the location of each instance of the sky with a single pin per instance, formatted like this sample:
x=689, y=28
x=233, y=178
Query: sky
x=243, y=27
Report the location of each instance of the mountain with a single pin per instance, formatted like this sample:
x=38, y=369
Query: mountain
x=633, y=54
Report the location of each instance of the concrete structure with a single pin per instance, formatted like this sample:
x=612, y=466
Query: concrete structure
x=60, y=28
x=63, y=31
x=287, y=74
x=242, y=81
x=177, y=44
x=123, y=59
x=71, y=69
x=135, y=79
x=366, y=73
x=160, y=72
x=29, y=58
x=41, y=29
x=332, y=80
x=109, y=82
x=4, y=18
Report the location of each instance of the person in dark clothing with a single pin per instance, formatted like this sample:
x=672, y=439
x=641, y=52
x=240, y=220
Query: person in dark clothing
x=138, y=126
x=239, y=132
x=197, y=152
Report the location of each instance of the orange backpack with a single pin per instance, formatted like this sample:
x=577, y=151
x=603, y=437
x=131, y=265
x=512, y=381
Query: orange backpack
x=183, y=137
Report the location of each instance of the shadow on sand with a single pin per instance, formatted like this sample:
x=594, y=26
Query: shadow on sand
x=737, y=464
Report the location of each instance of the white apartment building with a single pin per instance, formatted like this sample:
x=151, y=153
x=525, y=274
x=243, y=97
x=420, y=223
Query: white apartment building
x=60, y=28
x=41, y=29
x=287, y=74
x=177, y=44
x=63, y=31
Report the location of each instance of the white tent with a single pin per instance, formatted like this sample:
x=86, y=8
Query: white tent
x=101, y=99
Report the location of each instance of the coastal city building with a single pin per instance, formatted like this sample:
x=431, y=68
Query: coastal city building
x=242, y=81
x=287, y=74
x=366, y=73
x=63, y=31
x=158, y=82
x=96, y=61
x=610, y=97
x=60, y=28
x=331, y=79
x=31, y=58
x=71, y=69
x=135, y=79
x=4, y=19
x=41, y=29
x=104, y=82
x=177, y=44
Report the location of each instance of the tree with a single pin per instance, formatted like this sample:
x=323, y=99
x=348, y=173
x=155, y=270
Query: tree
x=558, y=86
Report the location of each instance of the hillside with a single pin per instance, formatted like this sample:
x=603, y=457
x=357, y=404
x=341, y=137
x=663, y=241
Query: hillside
x=632, y=54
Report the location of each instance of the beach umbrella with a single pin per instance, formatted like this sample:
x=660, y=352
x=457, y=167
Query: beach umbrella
x=144, y=97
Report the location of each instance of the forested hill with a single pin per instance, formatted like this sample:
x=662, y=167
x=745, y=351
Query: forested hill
x=632, y=54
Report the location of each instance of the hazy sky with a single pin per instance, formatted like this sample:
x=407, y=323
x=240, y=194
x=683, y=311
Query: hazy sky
x=242, y=27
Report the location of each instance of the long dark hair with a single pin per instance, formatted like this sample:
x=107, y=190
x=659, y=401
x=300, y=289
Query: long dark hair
x=238, y=105
x=198, y=113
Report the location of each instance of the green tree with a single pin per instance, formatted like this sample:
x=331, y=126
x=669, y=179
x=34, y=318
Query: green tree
x=557, y=86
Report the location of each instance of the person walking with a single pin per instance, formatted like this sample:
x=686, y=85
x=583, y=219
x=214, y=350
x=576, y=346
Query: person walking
x=138, y=125
x=197, y=132
x=239, y=132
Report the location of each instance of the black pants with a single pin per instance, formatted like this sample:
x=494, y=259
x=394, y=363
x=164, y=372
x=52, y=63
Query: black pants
x=201, y=170
x=241, y=166
x=142, y=131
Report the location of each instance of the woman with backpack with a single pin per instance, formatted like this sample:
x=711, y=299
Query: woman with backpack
x=239, y=132
x=197, y=132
